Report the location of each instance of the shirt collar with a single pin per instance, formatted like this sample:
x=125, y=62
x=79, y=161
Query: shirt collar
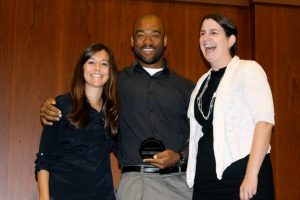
x=136, y=67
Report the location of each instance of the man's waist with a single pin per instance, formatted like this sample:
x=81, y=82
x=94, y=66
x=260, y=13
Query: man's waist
x=152, y=169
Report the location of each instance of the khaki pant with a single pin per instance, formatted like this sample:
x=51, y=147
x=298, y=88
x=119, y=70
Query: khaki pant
x=152, y=186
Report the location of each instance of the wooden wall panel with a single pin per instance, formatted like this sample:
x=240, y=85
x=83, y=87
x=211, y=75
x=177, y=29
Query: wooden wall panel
x=222, y=2
x=284, y=2
x=6, y=61
x=277, y=49
x=40, y=42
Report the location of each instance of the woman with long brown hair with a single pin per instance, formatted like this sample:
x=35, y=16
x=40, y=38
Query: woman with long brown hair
x=73, y=160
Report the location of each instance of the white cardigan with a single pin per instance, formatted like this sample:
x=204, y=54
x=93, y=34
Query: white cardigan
x=242, y=99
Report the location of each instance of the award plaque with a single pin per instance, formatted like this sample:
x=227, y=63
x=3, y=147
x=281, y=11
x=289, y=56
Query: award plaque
x=151, y=146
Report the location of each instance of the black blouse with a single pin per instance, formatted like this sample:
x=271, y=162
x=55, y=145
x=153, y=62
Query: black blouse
x=205, y=157
x=78, y=160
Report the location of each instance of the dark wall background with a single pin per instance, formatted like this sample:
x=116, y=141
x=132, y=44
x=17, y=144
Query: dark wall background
x=41, y=40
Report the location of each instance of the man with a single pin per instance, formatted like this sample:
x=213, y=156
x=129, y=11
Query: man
x=153, y=119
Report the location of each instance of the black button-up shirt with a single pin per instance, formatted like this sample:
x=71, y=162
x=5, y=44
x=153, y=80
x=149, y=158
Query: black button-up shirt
x=77, y=158
x=152, y=106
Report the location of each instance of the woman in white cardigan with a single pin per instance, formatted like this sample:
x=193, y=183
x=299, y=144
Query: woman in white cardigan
x=231, y=116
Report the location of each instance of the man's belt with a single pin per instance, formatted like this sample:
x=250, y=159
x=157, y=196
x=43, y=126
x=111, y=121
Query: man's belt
x=151, y=169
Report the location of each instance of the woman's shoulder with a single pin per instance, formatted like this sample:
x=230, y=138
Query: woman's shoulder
x=64, y=102
x=249, y=65
x=63, y=98
x=250, y=71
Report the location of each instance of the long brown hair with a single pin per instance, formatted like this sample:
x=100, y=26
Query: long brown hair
x=79, y=116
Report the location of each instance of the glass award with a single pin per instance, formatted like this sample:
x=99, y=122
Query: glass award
x=151, y=146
